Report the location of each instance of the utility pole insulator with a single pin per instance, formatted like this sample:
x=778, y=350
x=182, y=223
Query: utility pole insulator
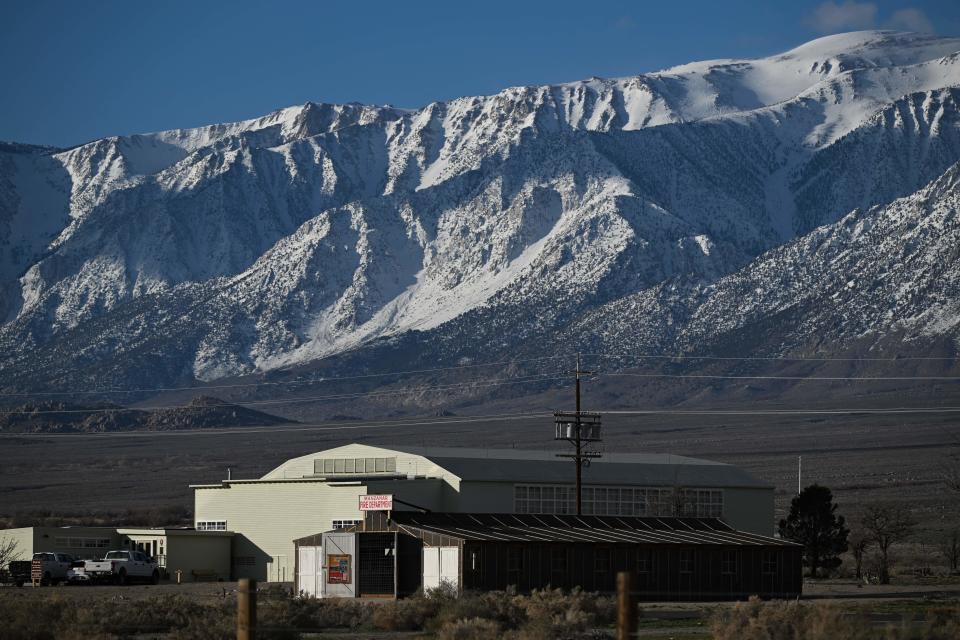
x=578, y=428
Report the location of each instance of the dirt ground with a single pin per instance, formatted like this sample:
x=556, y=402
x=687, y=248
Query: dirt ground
x=199, y=591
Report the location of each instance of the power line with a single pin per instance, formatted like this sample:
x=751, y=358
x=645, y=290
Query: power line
x=640, y=356
x=772, y=377
x=777, y=412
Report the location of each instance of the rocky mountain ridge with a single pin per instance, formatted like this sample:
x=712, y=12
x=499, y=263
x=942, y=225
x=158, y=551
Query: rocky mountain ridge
x=666, y=211
x=202, y=412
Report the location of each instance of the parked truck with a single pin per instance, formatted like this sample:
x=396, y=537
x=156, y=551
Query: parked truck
x=118, y=567
x=50, y=567
x=18, y=572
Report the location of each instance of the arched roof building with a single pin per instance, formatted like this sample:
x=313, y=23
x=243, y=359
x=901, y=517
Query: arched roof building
x=320, y=491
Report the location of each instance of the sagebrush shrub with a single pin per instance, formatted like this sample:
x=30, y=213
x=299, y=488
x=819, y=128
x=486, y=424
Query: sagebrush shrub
x=757, y=620
x=469, y=629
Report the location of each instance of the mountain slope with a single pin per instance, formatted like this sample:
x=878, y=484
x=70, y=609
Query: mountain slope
x=887, y=272
x=473, y=225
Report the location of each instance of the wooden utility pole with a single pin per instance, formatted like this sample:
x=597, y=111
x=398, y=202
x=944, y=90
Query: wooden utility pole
x=579, y=441
x=246, y=609
x=570, y=427
x=626, y=611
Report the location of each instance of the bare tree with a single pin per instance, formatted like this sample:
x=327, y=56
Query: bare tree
x=684, y=503
x=859, y=542
x=950, y=472
x=886, y=525
x=9, y=550
x=950, y=548
x=949, y=467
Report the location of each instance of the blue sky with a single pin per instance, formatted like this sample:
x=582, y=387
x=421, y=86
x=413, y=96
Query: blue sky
x=76, y=71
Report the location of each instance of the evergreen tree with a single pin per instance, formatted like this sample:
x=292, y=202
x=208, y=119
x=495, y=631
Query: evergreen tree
x=814, y=523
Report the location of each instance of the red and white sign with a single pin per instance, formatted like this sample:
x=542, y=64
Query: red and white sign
x=376, y=503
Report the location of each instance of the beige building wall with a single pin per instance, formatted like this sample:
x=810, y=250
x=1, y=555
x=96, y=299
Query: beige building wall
x=82, y=542
x=152, y=541
x=199, y=553
x=267, y=516
x=22, y=538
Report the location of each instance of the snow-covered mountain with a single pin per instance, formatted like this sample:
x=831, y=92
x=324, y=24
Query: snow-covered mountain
x=668, y=210
x=889, y=271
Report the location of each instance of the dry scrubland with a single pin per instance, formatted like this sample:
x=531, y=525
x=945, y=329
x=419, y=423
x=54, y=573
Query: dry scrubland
x=119, y=478
x=142, y=478
x=207, y=612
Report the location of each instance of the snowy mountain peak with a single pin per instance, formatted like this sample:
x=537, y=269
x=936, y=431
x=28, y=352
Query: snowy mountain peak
x=879, y=48
x=322, y=229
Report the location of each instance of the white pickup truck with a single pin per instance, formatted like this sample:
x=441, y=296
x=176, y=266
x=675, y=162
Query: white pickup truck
x=120, y=567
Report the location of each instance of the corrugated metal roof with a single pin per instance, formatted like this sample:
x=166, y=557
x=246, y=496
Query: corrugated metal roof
x=527, y=465
x=571, y=528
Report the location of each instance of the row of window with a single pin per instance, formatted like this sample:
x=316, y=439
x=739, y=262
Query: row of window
x=82, y=543
x=700, y=503
x=729, y=562
x=221, y=525
x=619, y=501
x=327, y=466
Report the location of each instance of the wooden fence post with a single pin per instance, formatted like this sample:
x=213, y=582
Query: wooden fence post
x=626, y=611
x=246, y=609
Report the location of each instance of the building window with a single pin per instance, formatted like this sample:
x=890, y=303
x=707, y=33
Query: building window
x=699, y=503
x=211, y=525
x=244, y=561
x=728, y=563
x=521, y=503
x=82, y=543
x=686, y=561
x=768, y=564
x=619, y=501
x=351, y=466
x=548, y=499
x=345, y=524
